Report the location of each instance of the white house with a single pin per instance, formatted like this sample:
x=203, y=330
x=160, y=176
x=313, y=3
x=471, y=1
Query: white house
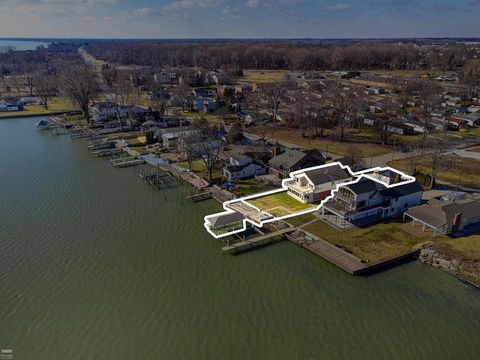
x=242, y=167
x=315, y=185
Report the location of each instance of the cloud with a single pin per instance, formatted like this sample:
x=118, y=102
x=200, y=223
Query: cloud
x=146, y=11
x=191, y=4
x=231, y=12
x=343, y=6
x=253, y=4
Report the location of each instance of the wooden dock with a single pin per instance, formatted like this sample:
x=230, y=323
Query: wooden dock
x=127, y=162
x=106, y=152
x=255, y=242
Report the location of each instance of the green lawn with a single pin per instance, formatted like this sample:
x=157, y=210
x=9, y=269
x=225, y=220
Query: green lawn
x=56, y=104
x=281, y=199
x=263, y=76
x=373, y=244
x=300, y=220
x=199, y=168
x=250, y=187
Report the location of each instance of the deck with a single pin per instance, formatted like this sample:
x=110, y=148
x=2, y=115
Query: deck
x=255, y=242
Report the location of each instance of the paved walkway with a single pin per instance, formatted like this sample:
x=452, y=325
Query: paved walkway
x=467, y=154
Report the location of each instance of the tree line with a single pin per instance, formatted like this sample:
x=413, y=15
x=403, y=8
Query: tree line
x=286, y=55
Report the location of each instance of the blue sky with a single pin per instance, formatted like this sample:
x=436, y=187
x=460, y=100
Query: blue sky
x=239, y=18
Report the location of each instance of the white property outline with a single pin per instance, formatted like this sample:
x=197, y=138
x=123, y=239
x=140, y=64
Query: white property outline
x=359, y=175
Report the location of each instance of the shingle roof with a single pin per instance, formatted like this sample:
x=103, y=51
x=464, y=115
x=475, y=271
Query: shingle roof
x=442, y=213
x=365, y=186
x=327, y=174
x=289, y=158
x=225, y=219
x=402, y=190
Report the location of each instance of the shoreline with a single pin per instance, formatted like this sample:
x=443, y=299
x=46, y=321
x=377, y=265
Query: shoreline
x=53, y=113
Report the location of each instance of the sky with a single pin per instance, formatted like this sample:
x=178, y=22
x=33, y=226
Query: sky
x=239, y=18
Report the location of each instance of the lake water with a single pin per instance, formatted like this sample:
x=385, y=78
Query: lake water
x=20, y=44
x=96, y=265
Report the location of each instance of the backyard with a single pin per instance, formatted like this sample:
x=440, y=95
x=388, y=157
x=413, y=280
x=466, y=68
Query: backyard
x=279, y=204
x=373, y=244
x=56, y=104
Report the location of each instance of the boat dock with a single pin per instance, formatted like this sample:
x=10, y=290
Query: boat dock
x=256, y=242
x=106, y=152
x=127, y=162
x=157, y=179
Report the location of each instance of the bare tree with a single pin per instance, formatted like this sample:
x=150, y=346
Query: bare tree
x=470, y=76
x=429, y=95
x=209, y=149
x=437, y=156
x=273, y=95
x=80, y=85
x=44, y=86
x=345, y=104
x=388, y=121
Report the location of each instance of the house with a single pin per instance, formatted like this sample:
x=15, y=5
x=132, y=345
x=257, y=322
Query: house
x=446, y=217
x=108, y=110
x=472, y=119
x=367, y=201
x=245, y=89
x=170, y=136
x=291, y=160
x=242, y=167
x=454, y=123
x=11, y=103
x=314, y=185
x=225, y=222
x=204, y=104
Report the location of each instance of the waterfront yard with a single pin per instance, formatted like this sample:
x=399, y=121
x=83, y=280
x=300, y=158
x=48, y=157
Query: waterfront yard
x=454, y=170
x=279, y=204
x=250, y=186
x=372, y=244
x=464, y=251
x=199, y=168
x=55, y=105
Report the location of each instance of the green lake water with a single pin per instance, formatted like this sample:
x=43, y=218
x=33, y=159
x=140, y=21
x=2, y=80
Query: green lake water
x=96, y=265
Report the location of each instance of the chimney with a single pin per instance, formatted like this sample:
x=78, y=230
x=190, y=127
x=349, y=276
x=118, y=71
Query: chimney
x=276, y=150
x=457, y=220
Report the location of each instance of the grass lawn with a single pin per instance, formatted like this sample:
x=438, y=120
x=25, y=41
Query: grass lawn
x=325, y=144
x=281, y=199
x=263, y=76
x=466, y=251
x=300, y=220
x=250, y=187
x=469, y=245
x=374, y=244
x=199, y=168
x=211, y=117
x=452, y=166
x=56, y=104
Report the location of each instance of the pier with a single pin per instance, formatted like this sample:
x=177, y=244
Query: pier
x=127, y=162
x=155, y=178
x=255, y=242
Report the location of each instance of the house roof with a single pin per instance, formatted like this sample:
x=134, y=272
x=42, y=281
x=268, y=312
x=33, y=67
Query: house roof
x=289, y=158
x=240, y=157
x=327, y=174
x=402, y=190
x=365, y=186
x=442, y=213
x=225, y=219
